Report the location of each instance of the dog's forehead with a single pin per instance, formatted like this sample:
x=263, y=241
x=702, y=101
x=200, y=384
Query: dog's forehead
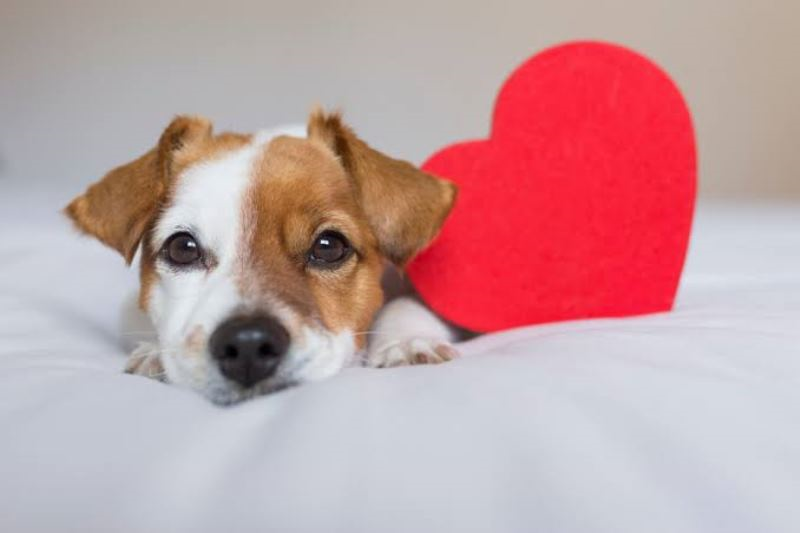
x=214, y=187
x=207, y=194
x=297, y=174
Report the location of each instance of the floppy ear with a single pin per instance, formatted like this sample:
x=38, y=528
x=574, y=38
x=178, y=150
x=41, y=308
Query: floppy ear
x=405, y=206
x=118, y=209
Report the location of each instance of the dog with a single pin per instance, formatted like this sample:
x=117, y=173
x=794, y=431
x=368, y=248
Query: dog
x=264, y=258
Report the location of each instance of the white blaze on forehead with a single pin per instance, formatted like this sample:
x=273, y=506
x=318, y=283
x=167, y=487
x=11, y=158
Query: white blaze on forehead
x=209, y=195
x=208, y=202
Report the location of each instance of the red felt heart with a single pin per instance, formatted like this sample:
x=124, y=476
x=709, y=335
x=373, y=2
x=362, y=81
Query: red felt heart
x=578, y=205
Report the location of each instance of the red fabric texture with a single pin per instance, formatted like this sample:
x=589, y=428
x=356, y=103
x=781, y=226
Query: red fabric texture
x=578, y=205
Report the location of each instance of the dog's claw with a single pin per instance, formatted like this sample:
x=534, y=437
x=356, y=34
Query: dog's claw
x=144, y=361
x=412, y=352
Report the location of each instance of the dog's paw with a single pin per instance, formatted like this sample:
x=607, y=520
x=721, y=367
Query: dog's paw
x=145, y=361
x=411, y=352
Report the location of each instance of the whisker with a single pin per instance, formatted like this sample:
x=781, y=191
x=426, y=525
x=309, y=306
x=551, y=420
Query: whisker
x=382, y=332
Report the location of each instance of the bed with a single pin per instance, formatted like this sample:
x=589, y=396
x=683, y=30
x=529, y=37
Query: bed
x=679, y=422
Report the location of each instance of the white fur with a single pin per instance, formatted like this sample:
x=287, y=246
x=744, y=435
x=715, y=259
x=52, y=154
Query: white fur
x=404, y=329
x=186, y=306
x=208, y=203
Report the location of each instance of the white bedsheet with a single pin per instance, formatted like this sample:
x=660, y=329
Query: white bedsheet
x=688, y=421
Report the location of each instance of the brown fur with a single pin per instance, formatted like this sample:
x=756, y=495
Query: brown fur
x=405, y=206
x=386, y=208
x=299, y=190
x=121, y=207
x=333, y=180
x=118, y=208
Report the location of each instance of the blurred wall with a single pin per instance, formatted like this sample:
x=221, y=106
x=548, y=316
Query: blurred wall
x=85, y=85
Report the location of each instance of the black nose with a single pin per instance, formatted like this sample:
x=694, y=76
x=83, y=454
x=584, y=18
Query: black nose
x=249, y=349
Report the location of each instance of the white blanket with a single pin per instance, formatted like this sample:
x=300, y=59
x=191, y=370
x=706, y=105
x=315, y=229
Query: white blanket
x=687, y=421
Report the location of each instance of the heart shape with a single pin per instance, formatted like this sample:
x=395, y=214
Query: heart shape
x=579, y=204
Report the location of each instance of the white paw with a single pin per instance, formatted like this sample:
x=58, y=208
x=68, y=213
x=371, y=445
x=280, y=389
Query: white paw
x=145, y=361
x=411, y=352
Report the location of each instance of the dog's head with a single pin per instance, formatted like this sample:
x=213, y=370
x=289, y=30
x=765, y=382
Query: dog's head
x=261, y=256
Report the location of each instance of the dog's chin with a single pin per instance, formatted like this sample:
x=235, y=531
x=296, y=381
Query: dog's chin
x=222, y=391
x=232, y=394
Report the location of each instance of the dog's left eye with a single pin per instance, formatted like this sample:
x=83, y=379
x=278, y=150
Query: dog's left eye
x=330, y=249
x=182, y=249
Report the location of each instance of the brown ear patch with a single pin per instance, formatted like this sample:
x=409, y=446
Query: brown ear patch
x=405, y=206
x=118, y=208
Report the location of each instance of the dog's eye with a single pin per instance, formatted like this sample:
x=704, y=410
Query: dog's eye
x=330, y=249
x=182, y=249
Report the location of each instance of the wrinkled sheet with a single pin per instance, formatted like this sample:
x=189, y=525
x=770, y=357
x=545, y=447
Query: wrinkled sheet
x=686, y=421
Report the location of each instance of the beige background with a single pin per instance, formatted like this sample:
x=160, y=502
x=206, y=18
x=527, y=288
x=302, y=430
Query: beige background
x=85, y=85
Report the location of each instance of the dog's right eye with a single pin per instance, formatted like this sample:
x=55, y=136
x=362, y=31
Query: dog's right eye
x=329, y=250
x=181, y=249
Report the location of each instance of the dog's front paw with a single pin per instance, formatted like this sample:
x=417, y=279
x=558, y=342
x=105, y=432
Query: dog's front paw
x=145, y=361
x=411, y=352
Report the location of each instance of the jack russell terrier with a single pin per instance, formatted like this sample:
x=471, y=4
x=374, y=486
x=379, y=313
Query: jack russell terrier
x=262, y=257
